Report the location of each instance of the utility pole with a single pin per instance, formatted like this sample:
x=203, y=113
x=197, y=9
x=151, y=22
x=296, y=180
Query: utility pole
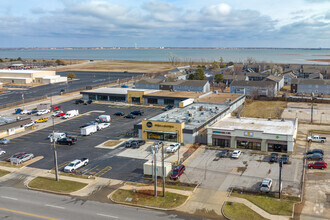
x=155, y=170
x=280, y=179
x=312, y=107
x=163, y=169
x=54, y=146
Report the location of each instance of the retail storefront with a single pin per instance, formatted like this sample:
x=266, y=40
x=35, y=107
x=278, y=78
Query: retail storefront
x=164, y=131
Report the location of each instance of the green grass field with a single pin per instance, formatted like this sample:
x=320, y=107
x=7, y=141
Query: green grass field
x=239, y=211
x=61, y=186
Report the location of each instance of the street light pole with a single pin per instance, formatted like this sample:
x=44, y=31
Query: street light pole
x=280, y=179
x=163, y=170
x=155, y=171
x=54, y=146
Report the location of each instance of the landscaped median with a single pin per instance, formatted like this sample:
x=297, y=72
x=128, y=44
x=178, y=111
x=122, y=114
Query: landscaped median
x=146, y=198
x=3, y=172
x=239, y=211
x=51, y=185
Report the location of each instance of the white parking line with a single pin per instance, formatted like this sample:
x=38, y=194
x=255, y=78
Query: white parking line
x=54, y=206
x=5, y=197
x=109, y=216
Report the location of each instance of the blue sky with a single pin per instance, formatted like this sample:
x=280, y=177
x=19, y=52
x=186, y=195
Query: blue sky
x=171, y=23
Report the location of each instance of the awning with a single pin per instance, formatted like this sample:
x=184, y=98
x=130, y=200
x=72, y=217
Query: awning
x=248, y=139
x=277, y=142
x=221, y=137
x=160, y=132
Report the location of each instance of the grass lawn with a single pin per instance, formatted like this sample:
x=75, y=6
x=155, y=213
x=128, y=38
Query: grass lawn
x=320, y=131
x=73, y=175
x=112, y=143
x=146, y=198
x=239, y=211
x=8, y=164
x=270, y=204
x=61, y=186
x=3, y=172
x=264, y=109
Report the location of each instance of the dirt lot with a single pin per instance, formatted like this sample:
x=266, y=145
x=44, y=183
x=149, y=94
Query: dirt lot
x=119, y=66
x=263, y=109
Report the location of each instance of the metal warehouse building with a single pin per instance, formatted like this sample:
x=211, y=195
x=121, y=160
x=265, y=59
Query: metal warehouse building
x=254, y=133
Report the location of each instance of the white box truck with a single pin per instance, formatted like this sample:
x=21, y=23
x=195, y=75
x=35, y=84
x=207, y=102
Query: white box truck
x=70, y=114
x=104, y=119
x=91, y=129
x=57, y=135
x=148, y=168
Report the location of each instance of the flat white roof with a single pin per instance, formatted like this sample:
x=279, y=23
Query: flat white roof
x=23, y=71
x=11, y=77
x=119, y=91
x=51, y=77
x=274, y=126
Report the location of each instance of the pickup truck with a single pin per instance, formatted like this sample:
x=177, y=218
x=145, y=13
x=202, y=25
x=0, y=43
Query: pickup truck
x=316, y=138
x=40, y=120
x=76, y=164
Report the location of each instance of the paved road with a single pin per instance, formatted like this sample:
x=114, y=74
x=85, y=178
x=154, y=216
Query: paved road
x=27, y=204
x=85, y=78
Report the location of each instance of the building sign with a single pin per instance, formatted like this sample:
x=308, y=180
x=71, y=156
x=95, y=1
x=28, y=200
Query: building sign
x=221, y=132
x=248, y=134
x=149, y=124
x=164, y=126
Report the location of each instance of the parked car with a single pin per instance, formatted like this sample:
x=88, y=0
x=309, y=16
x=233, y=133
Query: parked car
x=128, y=144
x=79, y=101
x=31, y=123
x=32, y=112
x=318, y=165
x=124, y=86
x=316, y=138
x=172, y=148
x=4, y=141
x=67, y=141
x=137, y=143
x=55, y=107
x=236, y=154
x=17, y=155
x=60, y=114
x=43, y=112
x=24, y=112
x=315, y=156
x=319, y=151
x=273, y=157
x=41, y=120
x=24, y=158
x=266, y=185
x=88, y=102
x=76, y=164
x=2, y=152
x=137, y=113
x=224, y=153
x=56, y=113
x=102, y=126
x=130, y=116
x=177, y=172
x=285, y=159
x=169, y=107
x=119, y=114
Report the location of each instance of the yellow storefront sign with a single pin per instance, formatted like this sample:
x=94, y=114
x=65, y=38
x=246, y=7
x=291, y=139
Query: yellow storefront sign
x=162, y=127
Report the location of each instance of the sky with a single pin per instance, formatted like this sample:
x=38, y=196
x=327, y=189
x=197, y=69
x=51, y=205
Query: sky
x=165, y=23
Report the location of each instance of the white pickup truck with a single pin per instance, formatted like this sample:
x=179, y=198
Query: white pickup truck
x=76, y=164
x=316, y=138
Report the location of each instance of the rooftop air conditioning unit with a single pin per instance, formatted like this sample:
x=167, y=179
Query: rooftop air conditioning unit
x=269, y=119
x=238, y=116
x=282, y=119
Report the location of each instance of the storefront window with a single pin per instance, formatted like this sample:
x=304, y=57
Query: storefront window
x=221, y=142
x=277, y=148
x=168, y=101
x=136, y=99
x=152, y=101
x=92, y=97
x=249, y=145
x=102, y=97
x=162, y=137
x=117, y=99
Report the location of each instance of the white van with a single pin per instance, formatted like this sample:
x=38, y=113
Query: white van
x=58, y=135
x=70, y=114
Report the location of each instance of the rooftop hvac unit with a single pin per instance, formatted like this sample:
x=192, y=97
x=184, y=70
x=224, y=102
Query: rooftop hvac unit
x=269, y=119
x=238, y=116
x=282, y=119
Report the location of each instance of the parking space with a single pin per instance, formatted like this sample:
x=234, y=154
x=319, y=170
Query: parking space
x=246, y=172
x=103, y=162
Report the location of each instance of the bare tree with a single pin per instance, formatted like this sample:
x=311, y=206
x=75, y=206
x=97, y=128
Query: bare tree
x=251, y=60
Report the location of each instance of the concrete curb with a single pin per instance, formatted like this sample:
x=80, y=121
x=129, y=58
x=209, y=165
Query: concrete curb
x=222, y=212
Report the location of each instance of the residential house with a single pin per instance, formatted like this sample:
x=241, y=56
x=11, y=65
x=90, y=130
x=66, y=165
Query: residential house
x=305, y=72
x=178, y=85
x=256, y=76
x=227, y=79
x=288, y=76
x=278, y=79
x=254, y=88
x=315, y=76
x=148, y=83
x=316, y=86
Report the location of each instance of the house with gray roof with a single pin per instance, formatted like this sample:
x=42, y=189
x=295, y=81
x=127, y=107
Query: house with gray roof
x=288, y=76
x=148, y=83
x=227, y=79
x=315, y=76
x=254, y=88
x=278, y=79
x=317, y=86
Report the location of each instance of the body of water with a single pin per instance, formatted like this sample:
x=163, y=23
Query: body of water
x=299, y=56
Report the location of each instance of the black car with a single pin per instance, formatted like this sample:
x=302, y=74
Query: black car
x=130, y=116
x=67, y=141
x=79, y=101
x=273, y=157
x=32, y=112
x=128, y=144
x=285, y=159
x=224, y=153
x=168, y=108
x=119, y=113
x=138, y=143
x=88, y=102
x=88, y=124
x=137, y=113
x=318, y=151
x=315, y=156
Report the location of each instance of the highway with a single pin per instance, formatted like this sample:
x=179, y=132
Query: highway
x=26, y=204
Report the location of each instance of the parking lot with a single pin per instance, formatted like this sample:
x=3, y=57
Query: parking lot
x=103, y=162
x=246, y=172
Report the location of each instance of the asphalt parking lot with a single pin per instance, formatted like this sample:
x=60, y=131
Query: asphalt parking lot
x=246, y=172
x=103, y=162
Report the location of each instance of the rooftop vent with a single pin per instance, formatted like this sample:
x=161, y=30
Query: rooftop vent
x=269, y=119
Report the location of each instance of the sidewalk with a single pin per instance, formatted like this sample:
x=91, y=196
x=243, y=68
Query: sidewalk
x=177, y=191
x=258, y=210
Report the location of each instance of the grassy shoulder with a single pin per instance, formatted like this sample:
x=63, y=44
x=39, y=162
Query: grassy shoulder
x=320, y=131
x=8, y=164
x=146, y=198
x=169, y=184
x=61, y=186
x=82, y=176
x=239, y=211
x=3, y=172
x=270, y=204
x=263, y=109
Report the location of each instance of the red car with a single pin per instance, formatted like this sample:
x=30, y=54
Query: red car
x=318, y=165
x=17, y=155
x=55, y=107
x=177, y=172
x=61, y=114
